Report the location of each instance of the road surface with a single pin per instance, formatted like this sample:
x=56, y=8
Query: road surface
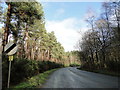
x=71, y=77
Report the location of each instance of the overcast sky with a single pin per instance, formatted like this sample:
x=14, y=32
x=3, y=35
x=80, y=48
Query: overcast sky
x=66, y=19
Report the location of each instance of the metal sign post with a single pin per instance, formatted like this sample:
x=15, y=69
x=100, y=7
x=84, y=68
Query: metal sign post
x=10, y=49
x=10, y=59
x=9, y=74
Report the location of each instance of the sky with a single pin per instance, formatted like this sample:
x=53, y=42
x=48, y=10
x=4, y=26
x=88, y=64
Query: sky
x=67, y=20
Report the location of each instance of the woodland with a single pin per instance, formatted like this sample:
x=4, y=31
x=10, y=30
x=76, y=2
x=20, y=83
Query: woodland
x=39, y=50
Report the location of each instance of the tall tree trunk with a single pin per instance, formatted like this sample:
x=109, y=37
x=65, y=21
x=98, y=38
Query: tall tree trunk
x=48, y=55
x=38, y=54
x=42, y=56
x=6, y=32
x=92, y=57
x=26, y=41
x=96, y=54
x=32, y=53
x=118, y=24
x=103, y=58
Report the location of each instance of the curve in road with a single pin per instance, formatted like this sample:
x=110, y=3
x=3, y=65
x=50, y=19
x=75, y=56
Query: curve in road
x=71, y=77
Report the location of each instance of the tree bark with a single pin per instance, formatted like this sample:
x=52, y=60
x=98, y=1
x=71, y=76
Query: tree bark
x=6, y=32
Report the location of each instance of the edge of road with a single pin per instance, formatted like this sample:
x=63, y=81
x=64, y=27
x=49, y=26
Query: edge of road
x=114, y=74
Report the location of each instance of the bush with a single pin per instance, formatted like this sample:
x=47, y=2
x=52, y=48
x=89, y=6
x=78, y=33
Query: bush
x=35, y=81
x=74, y=65
x=113, y=65
x=22, y=69
x=47, y=65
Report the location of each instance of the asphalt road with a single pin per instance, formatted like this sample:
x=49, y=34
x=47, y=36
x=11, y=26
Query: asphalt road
x=71, y=77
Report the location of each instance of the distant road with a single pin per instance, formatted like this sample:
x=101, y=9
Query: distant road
x=71, y=77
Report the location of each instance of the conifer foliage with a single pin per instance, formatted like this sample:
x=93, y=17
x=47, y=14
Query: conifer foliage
x=38, y=51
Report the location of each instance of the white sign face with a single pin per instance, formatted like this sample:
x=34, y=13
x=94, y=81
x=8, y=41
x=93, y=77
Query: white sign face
x=11, y=48
x=13, y=51
x=7, y=46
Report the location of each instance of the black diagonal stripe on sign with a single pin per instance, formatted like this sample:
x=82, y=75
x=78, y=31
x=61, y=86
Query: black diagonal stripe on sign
x=10, y=48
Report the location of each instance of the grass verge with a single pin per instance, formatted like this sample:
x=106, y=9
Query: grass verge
x=106, y=72
x=35, y=81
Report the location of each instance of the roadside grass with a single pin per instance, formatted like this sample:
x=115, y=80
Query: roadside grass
x=35, y=81
x=105, y=72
